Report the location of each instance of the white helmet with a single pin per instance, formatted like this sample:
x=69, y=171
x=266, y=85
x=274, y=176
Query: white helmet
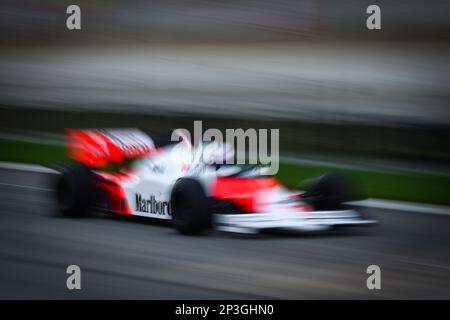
x=217, y=153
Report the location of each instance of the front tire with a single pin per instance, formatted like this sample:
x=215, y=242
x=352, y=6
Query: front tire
x=75, y=191
x=328, y=192
x=189, y=204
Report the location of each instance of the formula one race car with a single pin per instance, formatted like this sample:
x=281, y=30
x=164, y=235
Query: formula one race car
x=185, y=182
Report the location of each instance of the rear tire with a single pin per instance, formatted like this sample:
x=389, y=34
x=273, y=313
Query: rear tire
x=189, y=205
x=75, y=191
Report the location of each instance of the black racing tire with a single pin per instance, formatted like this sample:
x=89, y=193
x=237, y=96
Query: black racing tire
x=75, y=190
x=329, y=192
x=190, y=207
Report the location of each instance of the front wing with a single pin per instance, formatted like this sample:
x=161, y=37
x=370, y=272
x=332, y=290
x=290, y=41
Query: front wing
x=310, y=221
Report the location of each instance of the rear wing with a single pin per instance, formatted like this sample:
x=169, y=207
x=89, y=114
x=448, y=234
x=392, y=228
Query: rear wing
x=98, y=147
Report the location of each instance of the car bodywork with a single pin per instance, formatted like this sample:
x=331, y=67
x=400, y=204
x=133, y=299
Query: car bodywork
x=243, y=199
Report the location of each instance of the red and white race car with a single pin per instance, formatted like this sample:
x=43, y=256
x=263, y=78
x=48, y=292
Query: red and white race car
x=184, y=183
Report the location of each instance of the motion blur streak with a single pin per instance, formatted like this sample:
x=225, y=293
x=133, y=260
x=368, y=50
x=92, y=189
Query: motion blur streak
x=364, y=83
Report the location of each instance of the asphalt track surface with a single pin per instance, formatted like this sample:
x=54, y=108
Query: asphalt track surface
x=129, y=258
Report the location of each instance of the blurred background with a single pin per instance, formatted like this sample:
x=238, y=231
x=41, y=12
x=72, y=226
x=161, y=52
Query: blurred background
x=371, y=103
x=340, y=93
x=383, y=92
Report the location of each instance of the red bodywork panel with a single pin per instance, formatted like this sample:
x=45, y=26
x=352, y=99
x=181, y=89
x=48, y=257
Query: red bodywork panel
x=115, y=197
x=96, y=148
x=243, y=191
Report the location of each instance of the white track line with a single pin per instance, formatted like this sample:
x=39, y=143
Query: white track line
x=403, y=206
x=24, y=186
x=26, y=167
